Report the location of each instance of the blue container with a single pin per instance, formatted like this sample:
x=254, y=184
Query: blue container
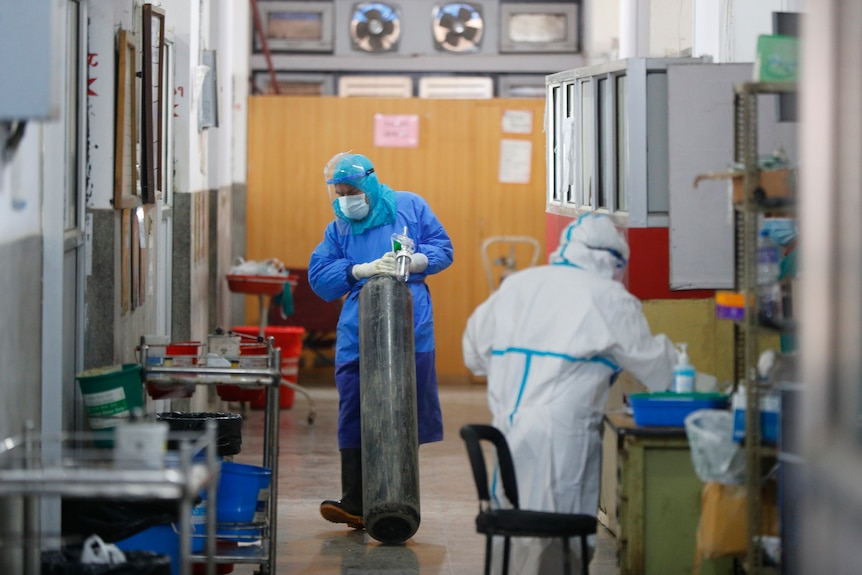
x=238, y=490
x=769, y=423
x=161, y=539
x=669, y=409
x=199, y=524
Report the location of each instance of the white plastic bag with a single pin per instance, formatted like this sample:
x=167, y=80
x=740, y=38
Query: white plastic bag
x=714, y=453
x=269, y=267
x=96, y=551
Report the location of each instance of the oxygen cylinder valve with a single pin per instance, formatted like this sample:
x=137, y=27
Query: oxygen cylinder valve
x=402, y=247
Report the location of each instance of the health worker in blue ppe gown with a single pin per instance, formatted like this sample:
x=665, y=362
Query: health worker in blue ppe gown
x=357, y=245
x=550, y=341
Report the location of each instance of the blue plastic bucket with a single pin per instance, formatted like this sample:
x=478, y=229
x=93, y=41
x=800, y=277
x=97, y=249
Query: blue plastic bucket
x=199, y=524
x=161, y=539
x=243, y=531
x=238, y=491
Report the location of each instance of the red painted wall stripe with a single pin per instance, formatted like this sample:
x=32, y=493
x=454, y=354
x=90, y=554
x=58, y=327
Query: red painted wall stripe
x=649, y=264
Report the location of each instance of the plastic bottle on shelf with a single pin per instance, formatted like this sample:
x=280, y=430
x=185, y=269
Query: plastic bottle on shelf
x=768, y=272
x=683, y=373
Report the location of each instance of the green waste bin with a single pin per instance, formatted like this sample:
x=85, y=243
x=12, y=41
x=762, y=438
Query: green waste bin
x=110, y=394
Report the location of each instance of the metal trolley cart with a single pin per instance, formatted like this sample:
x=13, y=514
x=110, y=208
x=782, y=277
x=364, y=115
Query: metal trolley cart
x=264, y=371
x=263, y=286
x=35, y=465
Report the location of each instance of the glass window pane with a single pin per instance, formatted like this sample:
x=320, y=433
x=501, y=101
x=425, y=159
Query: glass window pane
x=603, y=139
x=167, y=147
x=569, y=143
x=622, y=144
x=554, y=137
x=586, y=145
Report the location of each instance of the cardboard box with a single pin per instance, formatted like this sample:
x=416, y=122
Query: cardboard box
x=723, y=528
x=774, y=183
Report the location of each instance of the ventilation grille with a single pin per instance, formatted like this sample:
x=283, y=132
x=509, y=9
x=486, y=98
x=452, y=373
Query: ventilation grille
x=457, y=27
x=375, y=27
x=523, y=86
x=456, y=87
x=376, y=86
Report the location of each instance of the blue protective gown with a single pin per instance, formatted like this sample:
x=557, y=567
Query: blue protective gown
x=329, y=273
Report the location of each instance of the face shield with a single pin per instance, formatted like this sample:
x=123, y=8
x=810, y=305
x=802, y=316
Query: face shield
x=345, y=168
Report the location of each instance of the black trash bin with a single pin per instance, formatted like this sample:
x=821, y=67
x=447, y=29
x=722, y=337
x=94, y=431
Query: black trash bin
x=228, y=428
x=114, y=519
x=67, y=561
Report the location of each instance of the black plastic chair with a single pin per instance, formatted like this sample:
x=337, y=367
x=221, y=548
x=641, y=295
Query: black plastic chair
x=518, y=522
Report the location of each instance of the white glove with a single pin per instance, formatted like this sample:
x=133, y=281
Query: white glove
x=418, y=263
x=384, y=265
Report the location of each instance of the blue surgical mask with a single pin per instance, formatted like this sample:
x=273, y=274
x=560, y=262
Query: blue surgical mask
x=781, y=230
x=354, y=207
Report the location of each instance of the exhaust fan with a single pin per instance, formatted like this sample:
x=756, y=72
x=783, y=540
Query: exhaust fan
x=375, y=27
x=457, y=27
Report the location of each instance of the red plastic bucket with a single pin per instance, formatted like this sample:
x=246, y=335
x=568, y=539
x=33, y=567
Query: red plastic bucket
x=252, y=355
x=183, y=353
x=177, y=354
x=289, y=339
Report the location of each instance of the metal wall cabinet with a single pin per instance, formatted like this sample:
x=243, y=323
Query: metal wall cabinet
x=607, y=140
x=759, y=457
x=265, y=554
x=654, y=506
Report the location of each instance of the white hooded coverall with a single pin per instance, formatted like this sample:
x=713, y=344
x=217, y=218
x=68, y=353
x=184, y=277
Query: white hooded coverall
x=550, y=340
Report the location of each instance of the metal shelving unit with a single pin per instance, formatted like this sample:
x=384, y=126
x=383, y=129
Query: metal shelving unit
x=747, y=215
x=35, y=465
x=227, y=551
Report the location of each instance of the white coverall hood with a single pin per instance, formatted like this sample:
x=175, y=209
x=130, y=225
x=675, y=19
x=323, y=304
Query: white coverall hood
x=550, y=340
x=592, y=243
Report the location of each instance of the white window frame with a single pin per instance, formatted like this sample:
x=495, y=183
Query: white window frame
x=588, y=167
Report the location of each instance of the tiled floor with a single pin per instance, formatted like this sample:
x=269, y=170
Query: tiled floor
x=309, y=471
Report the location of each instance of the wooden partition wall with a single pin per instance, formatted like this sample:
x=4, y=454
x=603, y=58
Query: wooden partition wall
x=455, y=167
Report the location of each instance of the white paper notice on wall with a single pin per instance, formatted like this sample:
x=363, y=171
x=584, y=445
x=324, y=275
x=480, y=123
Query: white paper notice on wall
x=396, y=130
x=142, y=230
x=515, y=159
x=517, y=122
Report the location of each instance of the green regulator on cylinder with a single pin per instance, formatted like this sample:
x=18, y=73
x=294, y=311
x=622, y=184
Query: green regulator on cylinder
x=402, y=247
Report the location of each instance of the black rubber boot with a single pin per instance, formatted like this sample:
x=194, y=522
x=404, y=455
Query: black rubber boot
x=349, y=508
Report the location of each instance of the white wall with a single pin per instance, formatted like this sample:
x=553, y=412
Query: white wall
x=184, y=24
x=670, y=28
x=21, y=189
x=106, y=17
x=727, y=30
x=238, y=87
x=600, y=29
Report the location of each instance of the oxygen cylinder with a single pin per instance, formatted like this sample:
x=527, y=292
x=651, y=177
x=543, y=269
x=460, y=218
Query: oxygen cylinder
x=390, y=438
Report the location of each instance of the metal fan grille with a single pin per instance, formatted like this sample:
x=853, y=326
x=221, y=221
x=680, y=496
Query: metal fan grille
x=457, y=27
x=375, y=27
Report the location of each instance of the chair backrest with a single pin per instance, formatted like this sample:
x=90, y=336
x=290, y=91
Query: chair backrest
x=473, y=434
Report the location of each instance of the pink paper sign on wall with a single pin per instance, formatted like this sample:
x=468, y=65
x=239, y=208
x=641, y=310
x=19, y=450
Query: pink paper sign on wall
x=396, y=130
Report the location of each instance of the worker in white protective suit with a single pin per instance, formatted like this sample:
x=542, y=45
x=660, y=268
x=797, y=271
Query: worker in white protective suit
x=551, y=340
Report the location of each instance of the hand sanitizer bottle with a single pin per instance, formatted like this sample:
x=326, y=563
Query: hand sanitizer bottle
x=683, y=373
